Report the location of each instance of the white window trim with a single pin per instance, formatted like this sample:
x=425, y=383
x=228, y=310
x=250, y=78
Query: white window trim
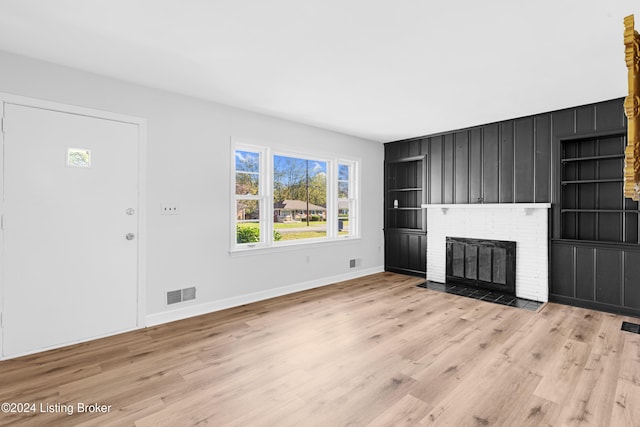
x=353, y=199
x=262, y=196
x=267, y=153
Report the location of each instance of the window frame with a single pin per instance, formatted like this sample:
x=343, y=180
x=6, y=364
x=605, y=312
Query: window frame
x=352, y=199
x=261, y=197
x=267, y=153
x=301, y=156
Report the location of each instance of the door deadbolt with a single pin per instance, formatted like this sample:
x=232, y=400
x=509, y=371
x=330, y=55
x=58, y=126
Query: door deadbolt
x=130, y=236
x=130, y=211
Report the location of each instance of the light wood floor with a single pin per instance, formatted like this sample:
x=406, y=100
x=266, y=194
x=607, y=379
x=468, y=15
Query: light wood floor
x=373, y=351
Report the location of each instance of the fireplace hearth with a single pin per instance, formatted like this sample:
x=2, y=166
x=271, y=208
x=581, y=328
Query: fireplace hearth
x=482, y=263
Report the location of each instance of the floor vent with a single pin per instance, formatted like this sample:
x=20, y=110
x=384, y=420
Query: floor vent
x=631, y=327
x=180, y=295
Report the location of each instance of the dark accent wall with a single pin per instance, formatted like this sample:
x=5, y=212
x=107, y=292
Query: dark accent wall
x=504, y=162
x=498, y=163
x=518, y=161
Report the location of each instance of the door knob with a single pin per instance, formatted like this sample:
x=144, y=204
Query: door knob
x=130, y=236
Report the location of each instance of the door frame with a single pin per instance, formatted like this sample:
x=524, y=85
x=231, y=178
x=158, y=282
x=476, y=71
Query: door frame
x=6, y=98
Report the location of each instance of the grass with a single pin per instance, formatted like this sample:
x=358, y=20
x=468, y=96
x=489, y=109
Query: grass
x=297, y=235
x=280, y=225
x=304, y=235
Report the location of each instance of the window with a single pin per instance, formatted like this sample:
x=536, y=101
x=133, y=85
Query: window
x=346, y=199
x=281, y=198
x=299, y=198
x=249, y=197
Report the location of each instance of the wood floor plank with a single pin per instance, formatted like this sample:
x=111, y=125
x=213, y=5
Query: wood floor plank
x=592, y=400
x=373, y=351
x=533, y=412
x=407, y=412
x=626, y=411
x=485, y=397
x=563, y=374
x=449, y=365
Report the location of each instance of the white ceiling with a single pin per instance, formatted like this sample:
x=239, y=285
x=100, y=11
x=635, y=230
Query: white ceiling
x=382, y=70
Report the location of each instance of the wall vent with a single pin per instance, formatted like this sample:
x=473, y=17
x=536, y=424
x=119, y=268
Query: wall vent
x=189, y=293
x=180, y=295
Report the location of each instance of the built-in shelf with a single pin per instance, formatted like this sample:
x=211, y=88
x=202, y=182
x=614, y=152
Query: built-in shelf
x=406, y=160
x=592, y=181
x=592, y=206
x=401, y=230
x=406, y=189
x=599, y=210
x=587, y=158
x=404, y=220
x=405, y=180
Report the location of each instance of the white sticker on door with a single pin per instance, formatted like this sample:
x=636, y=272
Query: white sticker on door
x=78, y=157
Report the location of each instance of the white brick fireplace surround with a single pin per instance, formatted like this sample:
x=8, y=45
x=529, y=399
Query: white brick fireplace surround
x=524, y=223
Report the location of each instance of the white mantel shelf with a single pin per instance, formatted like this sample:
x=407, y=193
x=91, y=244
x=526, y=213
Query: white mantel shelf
x=488, y=206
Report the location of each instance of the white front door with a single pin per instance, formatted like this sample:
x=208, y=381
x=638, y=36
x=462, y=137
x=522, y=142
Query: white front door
x=70, y=228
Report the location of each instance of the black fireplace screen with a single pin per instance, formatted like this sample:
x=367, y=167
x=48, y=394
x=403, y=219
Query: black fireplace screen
x=489, y=264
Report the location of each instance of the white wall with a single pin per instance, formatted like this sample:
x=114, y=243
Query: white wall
x=189, y=164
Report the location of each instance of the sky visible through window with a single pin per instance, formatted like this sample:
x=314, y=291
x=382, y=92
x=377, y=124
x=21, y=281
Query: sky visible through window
x=299, y=179
x=247, y=161
x=290, y=169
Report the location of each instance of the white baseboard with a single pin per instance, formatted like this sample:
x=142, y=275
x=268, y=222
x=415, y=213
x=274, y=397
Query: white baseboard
x=197, y=310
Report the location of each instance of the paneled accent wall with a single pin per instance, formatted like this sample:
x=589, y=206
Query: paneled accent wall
x=519, y=161
x=505, y=162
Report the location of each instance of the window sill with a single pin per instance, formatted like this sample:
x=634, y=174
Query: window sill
x=291, y=247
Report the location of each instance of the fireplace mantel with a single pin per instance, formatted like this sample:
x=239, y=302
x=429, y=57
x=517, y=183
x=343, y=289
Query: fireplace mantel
x=524, y=223
x=488, y=206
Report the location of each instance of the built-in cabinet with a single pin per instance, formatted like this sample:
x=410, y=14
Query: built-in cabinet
x=595, y=256
x=571, y=158
x=405, y=222
x=592, y=203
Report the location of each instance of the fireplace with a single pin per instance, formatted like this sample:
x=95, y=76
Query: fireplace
x=524, y=223
x=489, y=264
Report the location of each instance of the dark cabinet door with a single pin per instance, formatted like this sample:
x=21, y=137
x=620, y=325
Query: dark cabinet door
x=406, y=252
